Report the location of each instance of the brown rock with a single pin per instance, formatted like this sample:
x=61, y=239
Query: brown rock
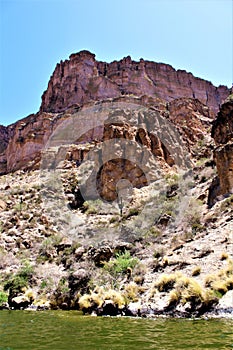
x=222, y=132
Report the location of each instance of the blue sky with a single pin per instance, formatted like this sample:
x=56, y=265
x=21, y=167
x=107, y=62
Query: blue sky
x=195, y=35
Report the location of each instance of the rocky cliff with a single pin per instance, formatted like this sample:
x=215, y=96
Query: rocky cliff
x=82, y=79
x=4, y=137
x=222, y=132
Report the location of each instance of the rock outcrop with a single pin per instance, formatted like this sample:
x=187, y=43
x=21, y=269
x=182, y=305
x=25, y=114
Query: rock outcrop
x=222, y=132
x=28, y=138
x=82, y=79
x=4, y=136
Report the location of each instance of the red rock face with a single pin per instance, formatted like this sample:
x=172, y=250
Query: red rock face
x=82, y=79
x=192, y=118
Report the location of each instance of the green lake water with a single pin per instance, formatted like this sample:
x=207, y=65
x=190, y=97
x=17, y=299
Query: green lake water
x=60, y=330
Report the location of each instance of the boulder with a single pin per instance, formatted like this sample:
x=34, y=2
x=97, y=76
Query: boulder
x=20, y=302
x=3, y=205
x=226, y=303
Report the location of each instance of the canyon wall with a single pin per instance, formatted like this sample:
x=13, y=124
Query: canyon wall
x=82, y=79
x=190, y=103
x=222, y=132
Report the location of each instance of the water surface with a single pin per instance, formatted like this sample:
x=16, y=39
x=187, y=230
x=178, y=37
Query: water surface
x=59, y=330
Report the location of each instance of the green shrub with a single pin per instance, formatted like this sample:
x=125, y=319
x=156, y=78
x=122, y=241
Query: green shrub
x=3, y=298
x=122, y=263
x=20, y=280
x=132, y=212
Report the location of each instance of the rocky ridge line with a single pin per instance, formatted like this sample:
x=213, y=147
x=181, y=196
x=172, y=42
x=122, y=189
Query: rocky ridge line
x=82, y=79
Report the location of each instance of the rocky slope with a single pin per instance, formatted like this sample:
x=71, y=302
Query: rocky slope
x=114, y=197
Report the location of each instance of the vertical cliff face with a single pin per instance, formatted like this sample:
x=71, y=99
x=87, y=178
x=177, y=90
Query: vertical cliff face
x=82, y=79
x=4, y=137
x=222, y=132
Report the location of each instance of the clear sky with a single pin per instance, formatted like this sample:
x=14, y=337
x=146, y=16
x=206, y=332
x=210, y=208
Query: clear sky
x=195, y=35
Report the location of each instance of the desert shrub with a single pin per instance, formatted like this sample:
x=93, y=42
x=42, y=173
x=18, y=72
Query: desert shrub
x=224, y=256
x=191, y=291
x=3, y=298
x=48, y=248
x=132, y=212
x=121, y=264
x=153, y=232
x=192, y=215
x=115, y=296
x=227, y=203
x=172, y=179
x=15, y=283
x=113, y=219
x=92, y=206
x=159, y=252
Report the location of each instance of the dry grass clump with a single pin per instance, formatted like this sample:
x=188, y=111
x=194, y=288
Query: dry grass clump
x=184, y=290
x=89, y=301
x=221, y=282
x=166, y=282
x=116, y=297
x=196, y=271
x=96, y=299
x=131, y=292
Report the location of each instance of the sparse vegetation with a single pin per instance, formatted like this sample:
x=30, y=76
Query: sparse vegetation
x=221, y=282
x=139, y=271
x=224, y=256
x=182, y=290
x=92, y=207
x=15, y=283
